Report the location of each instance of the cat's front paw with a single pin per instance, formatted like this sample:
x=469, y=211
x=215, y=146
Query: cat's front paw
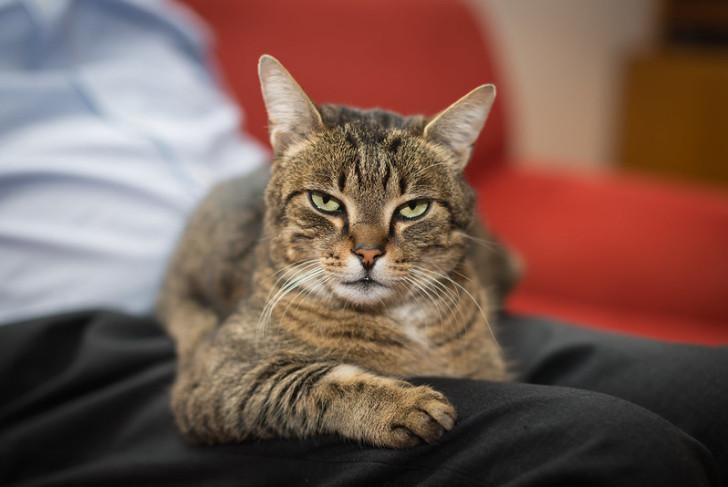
x=382, y=411
x=420, y=415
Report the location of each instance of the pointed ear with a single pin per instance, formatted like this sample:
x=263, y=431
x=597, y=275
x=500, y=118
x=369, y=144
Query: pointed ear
x=460, y=124
x=292, y=116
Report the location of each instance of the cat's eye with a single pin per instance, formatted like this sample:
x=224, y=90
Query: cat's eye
x=414, y=209
x=325, y=202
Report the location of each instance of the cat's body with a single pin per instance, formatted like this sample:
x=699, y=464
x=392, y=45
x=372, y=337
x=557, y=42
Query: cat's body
x=300, y=313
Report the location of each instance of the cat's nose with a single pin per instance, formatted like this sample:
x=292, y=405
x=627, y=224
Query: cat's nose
x=368, y=255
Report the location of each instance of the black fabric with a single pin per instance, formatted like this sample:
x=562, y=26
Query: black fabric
x=84, y=401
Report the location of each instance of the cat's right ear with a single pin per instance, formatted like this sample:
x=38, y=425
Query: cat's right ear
x=458, y=126
x=292, y=116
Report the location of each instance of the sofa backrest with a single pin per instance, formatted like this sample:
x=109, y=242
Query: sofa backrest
x=411, y=56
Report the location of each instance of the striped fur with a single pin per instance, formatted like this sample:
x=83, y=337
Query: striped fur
x=292, y=321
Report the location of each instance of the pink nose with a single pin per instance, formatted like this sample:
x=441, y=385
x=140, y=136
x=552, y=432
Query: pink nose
x=368, y=255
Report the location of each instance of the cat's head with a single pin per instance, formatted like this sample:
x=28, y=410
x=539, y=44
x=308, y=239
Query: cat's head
x=367, y=206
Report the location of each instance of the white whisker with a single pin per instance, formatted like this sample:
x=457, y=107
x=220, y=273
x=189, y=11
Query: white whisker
x=422, y=291
x=306, y=272
x=474, y=300
x=481, y=241
x=450, y=298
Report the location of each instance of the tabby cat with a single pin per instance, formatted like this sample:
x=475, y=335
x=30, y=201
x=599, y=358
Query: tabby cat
x=302, y=295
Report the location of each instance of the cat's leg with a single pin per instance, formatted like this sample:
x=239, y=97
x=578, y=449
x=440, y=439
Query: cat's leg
x=187, y=321
x=218, y=398
x=381, y=410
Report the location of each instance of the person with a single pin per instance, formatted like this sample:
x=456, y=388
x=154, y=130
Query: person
x=111, y=129
x=109, y=113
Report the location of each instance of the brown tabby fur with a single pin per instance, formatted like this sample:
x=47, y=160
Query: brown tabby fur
x=279, y=331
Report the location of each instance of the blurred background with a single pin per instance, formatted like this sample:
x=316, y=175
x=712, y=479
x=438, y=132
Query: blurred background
x=590, y=92
x=597, y=84
x=604, y=161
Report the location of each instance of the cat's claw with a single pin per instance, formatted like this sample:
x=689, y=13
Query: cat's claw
x=423, y=416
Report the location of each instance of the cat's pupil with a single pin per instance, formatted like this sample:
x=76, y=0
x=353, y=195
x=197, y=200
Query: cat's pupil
x=412, y=205
x=325, y=198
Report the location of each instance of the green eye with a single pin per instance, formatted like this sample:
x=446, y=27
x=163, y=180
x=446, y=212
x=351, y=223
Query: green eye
x=414, y=209
x=325, y=202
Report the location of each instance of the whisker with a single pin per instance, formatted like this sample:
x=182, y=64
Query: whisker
x=454, y=271
x=305, y=263
x=481, y=241
x=305, y=273
x=422, y=292
x=451, y=298
x=475, y=301
x=305, y=293
x=453, y=294
x=297, y=267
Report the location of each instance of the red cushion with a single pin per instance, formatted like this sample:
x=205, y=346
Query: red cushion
x=653, y=323
x=394, y=55
x=617, y=245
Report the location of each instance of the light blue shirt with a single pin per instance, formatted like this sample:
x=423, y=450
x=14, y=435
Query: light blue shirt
x=112, y=128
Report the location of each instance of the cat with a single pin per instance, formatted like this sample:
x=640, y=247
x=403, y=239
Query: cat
x=301, y=296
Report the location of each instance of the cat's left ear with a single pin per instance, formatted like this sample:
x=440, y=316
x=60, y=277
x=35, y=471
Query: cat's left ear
x=459, y=125
x=291, y=113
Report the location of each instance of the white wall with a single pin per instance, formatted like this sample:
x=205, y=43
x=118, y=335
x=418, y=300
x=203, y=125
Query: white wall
x=563, y=61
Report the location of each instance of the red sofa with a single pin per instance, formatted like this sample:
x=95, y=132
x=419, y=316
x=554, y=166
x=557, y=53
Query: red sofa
x=608, y=251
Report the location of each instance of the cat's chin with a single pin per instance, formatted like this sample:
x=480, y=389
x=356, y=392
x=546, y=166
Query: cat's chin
x=363, y=292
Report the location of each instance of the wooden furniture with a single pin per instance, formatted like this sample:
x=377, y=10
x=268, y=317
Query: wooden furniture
x=676, y=98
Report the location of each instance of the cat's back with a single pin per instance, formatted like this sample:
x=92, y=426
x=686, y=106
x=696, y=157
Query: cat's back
x=214, y=261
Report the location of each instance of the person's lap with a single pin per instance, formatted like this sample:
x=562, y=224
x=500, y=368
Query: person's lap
x=84, y=401
x=685, y=384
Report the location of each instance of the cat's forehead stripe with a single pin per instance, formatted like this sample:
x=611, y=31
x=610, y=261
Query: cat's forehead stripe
x=387, y=175
x=394, y=144
x=374, y=149
x=351, y=139
x=342, y=181
x=402, y=185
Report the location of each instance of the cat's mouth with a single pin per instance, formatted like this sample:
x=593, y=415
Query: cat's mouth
x=363, y=291
x=364, y=282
